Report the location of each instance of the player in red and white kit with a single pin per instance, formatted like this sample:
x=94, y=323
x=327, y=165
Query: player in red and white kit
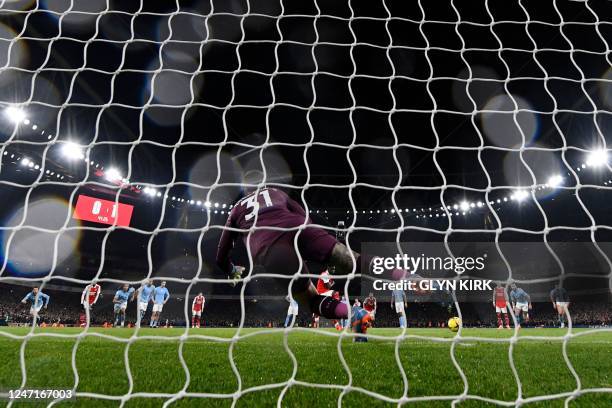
x=369, y=304
x=325, y=284
x=315, y=321
x=324, y=288
x=90, y=295
x=500, y=303
x=196, y=310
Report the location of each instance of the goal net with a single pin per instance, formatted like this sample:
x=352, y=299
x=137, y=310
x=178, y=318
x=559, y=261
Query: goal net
x=130, y=129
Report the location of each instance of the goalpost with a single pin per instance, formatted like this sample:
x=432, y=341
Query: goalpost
x=179, y=70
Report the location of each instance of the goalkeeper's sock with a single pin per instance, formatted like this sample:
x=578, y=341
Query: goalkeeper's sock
x=561, y=321
x=122, y=320
x=328, y=307
x=287, y=320
x=402, y=321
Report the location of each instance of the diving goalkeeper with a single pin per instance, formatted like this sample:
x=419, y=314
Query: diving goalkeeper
x=273, y=220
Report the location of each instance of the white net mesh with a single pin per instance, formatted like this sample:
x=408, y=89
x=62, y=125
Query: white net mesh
x=415, y=104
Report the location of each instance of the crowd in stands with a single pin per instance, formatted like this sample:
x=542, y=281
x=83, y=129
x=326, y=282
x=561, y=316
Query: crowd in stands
x=64, y=307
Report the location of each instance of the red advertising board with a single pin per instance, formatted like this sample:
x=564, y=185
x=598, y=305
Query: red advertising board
x=102, y=211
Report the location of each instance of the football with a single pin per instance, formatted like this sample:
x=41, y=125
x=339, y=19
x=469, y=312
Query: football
x=454, y=323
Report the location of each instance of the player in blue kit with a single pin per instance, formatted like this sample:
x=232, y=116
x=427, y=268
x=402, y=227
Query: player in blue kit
x=521, y=304
x=122, y=296
x=160, y=297
x=145, y=295
x=38, y=301
x=399, y=302
x=292, y=312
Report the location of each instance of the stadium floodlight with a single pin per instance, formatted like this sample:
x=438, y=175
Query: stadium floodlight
x=150, y=191
x=15, y=114
x=597, y=158
x=464, y=206
x=519, y=195
x=25, y=161
x=555, y=181
x=72, y=150
x=455, y=207
x=207, y=204
x=112, y=174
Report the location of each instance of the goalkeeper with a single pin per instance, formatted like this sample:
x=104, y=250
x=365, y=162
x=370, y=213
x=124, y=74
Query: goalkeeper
x=277, y=219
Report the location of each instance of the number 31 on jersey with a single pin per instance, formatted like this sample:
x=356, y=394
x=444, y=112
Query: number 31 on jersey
x=253, y=203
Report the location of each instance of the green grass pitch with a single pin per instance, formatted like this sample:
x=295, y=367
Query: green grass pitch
x=261, y=359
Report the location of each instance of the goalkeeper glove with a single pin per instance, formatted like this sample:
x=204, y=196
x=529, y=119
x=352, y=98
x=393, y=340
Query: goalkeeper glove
x=235, y=274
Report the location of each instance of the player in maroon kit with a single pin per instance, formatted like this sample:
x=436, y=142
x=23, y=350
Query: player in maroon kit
x=500, y=303
x=196, y=310
x=278, y=233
